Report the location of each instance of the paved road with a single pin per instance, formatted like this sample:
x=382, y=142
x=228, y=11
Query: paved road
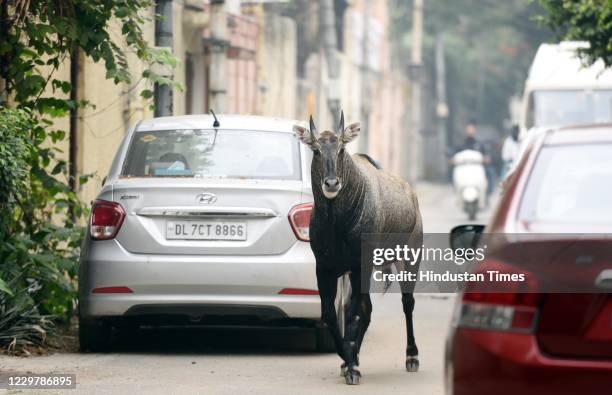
x=266, y=362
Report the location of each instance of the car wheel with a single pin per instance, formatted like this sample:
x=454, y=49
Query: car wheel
x=94, y=336
x=325, y=340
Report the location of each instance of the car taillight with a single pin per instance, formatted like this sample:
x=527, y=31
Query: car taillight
x=514, y=310
x=106, y=219
x=299, y=218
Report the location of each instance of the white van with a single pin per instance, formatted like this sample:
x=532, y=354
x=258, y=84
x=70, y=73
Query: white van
x=560, y=91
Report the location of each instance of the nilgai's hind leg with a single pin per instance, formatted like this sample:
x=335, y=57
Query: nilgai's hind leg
x=328, y=286
x=358, y=320
x=412, y=352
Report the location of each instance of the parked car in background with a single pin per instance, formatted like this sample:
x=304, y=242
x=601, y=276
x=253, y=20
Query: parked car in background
x=525, y=340
x=202, y=223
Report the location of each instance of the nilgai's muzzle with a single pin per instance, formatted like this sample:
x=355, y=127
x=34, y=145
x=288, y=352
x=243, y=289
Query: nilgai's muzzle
x=331, y=187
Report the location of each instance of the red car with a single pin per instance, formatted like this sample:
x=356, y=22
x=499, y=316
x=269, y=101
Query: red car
x=534, y=339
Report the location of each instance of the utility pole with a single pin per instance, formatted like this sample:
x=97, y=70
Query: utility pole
x=217, y=85
x=330, y=46
x=217, y=92
x=163, y=38
x=416, y=66
x=441, y=106
x=73, y=141
x=366, y=92
x=480, y=83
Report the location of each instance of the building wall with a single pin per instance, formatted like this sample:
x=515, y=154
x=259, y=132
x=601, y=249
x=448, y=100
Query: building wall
x=243, y=32
x=372, y=92
x=276, y=66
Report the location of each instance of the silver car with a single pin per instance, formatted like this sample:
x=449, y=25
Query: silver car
x=202, y=223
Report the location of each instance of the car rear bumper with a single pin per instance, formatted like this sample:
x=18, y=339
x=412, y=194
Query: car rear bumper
x=196, y=285
x=487, y=362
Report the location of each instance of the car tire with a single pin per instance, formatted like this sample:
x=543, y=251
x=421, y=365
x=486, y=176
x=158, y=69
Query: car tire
x=325, y=340
x=94, y=336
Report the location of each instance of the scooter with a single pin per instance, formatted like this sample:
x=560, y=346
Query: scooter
x=470, y=181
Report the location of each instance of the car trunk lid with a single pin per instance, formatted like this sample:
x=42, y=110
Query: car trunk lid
x=154, y=207
x=575, y=317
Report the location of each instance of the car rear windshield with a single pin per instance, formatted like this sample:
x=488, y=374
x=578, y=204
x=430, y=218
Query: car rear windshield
x=209, y=153
x=570, y=184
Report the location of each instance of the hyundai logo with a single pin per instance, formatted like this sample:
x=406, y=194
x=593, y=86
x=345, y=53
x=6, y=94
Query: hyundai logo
x=206, y=198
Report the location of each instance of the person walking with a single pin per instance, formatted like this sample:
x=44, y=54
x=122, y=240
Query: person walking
x=510, y=151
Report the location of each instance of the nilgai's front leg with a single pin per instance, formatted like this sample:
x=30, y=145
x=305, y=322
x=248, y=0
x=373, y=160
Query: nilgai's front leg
x=328, y=285
x=366, y=312
x=358, y=319
x=366, y=303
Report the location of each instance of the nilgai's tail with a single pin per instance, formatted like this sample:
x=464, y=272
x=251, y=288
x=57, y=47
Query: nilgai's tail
x=387, y=268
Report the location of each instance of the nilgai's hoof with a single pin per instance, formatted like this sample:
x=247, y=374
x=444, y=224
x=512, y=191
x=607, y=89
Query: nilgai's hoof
x=343, y=369
x=352, y=377
x=412, y=363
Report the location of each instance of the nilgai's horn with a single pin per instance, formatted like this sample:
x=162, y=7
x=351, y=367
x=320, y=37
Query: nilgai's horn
x=313, y=128
x=341, y=125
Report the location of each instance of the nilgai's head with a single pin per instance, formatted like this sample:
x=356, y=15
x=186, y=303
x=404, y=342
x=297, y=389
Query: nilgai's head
x=328, y=148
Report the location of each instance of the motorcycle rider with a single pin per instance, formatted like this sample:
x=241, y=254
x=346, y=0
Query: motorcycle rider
x=471, y=142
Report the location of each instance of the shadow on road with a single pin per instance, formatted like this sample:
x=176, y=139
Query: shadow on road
x=216, y=340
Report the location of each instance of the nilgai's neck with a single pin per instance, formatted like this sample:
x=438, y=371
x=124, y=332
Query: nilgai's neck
x=350, y=200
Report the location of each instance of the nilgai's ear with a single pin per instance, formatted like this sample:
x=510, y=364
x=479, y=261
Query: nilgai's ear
x=308, y=137
x=350, y=133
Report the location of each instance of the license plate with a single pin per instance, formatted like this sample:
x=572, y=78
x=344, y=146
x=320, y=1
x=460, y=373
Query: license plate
x=205, y=230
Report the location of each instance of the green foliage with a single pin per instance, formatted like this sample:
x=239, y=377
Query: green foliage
x=15, y=149
x=21, y=324
x=40, y=35
x=45, y=266
x=38, y=252
x=582, y=20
